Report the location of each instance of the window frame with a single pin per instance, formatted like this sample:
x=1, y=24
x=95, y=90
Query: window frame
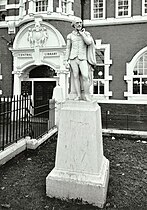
x=99, y=80
x=3, y=4
x=92, y=11
x=130, y=76
x=140, y=67
x=2, y=8
x=143, y=8
x=140, y=78
x=64, y=9
x=41, y=6
x=117, y=10
x=107, y=77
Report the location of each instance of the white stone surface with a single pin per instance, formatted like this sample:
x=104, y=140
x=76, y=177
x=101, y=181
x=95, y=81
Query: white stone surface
x=81, y=170
x=12, y=150
x=23, y=144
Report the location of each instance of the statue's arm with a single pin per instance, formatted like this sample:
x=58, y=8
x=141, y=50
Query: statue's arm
x=86, y=37
x=68, y=48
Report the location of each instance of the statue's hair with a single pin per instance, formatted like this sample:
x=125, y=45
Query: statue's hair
x=76, y=19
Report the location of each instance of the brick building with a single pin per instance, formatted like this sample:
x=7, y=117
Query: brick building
x=33, y=41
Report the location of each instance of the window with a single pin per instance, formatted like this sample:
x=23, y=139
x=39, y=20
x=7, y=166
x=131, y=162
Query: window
x=101, y=76
x=41, y=5
x=98, y=9
x=136, y=77
x=123, y=8
x=140, y=75
x=3, y=12
x=64, y=6
x=144, y=7
x=99, y=73
x=3, y=5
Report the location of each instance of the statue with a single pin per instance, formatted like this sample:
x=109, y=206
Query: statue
x=80, y=58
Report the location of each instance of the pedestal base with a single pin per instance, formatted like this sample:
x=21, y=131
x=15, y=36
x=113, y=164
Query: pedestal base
x=72, y=185
x=81, y=170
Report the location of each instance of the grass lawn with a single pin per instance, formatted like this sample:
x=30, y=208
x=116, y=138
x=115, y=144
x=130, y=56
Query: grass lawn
x=22, y=180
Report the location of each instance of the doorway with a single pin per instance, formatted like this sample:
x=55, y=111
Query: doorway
x=43, y=91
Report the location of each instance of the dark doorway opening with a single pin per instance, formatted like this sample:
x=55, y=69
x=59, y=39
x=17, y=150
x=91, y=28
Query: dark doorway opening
x=43, y=91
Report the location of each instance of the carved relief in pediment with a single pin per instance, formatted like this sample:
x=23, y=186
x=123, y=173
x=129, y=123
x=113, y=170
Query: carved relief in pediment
x=37, y=36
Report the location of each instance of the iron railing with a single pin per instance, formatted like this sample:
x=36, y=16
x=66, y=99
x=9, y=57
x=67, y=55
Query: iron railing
x=18, y=118
x=42, y=119
x=14, y=119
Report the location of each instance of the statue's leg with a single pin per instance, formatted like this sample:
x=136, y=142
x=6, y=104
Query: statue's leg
x=75, y=69
x=85, y=76
x=72, y=84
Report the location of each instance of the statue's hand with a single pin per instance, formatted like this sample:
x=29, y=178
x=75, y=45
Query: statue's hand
x=82, y=32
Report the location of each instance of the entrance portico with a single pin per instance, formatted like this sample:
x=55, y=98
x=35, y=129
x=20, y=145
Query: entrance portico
x=39, y=44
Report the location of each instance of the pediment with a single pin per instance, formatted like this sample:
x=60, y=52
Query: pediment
x=38, y=34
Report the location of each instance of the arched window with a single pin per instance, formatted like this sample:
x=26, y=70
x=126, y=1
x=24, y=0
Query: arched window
x=140, y=75
x=137, y=77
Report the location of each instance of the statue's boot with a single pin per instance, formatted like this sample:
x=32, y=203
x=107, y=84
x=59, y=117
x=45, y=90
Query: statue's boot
x=87, y=97
x=77, y=98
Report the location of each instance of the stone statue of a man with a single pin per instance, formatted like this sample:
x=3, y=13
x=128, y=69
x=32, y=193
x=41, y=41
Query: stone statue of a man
x=80, y=57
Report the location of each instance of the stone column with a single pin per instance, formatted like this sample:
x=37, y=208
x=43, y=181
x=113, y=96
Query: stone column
x=63, y=82
x=21, y=9
x=59, y=9
x=69, y=7
x=50, y=6
x=31, y=7
x=17, y=83
x=16, y=92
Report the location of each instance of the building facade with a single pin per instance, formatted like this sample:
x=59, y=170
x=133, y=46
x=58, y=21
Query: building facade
x=33, y=42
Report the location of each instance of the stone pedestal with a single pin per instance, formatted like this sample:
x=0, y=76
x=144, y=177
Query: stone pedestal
x=81, y=170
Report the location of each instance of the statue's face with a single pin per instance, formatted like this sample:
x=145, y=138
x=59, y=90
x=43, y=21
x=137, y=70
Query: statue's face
x=78, y=25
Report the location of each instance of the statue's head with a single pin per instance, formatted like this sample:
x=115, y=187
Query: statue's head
x=77, y=23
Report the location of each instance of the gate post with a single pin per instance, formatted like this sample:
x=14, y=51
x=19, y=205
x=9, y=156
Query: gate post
x=51, y=120
x=17, y=83
x=63, y=81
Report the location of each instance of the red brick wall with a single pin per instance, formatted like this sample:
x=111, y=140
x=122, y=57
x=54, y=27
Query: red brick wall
x=136, y=7
x=125, y=41
x=133, y=109
x=64, y=27
x=6, y=64
x=110, y=9
x=77, y=8
x=87, y=10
